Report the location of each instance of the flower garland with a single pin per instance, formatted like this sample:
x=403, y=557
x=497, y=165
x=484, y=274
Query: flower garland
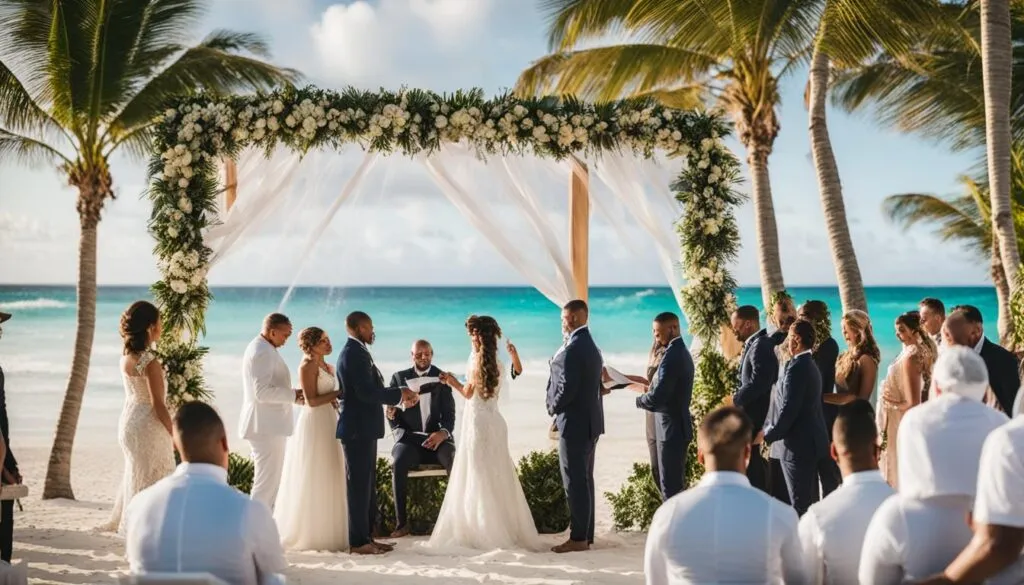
x=196, y=132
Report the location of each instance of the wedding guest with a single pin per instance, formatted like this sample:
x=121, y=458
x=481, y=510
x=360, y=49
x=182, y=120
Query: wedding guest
x=744, y=535
x=857, y=367
x=832, y=531
x=643, y=382
x=10, y=473
x=956, y=331
x=1002, y=365
x=795, y=428
x=759, y=370
x=783, y=313
x=668, y=397
x=825, y=354
x=267, y=398
x=995, y=551
x=422, y=432
x=194, y=522
x=144, y=430
x=933, y=314
x=901, y=389
x=921, y=530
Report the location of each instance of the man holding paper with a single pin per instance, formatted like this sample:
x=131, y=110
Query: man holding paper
x=423, y=431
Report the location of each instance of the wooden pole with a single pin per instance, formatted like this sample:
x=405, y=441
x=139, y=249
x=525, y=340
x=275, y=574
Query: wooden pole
x=230, y=183
x=579, y=227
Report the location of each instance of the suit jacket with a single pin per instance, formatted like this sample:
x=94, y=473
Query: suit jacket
x=1003, y=373
x=796, y=426
x=363, y=393
x=825, y=358
x=10, y=463
x=759, y=370
x=410, y=420
x=574, y=388
x=670, y=393
x=267, y=393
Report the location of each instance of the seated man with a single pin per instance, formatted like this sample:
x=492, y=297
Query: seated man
x=723, y=530
x=194, y=522
x=423, y=432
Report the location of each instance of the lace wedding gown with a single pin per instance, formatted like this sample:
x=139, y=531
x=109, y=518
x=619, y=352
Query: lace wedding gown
x=311, y=510
x=484, y=507
x=148, y=450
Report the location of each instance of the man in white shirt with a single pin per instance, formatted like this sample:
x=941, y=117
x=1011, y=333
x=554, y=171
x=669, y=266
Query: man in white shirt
x=995, y=551
x=194, y=522
x=267, y=399
x=724, y=530
x=832, y=531
x=921, y=530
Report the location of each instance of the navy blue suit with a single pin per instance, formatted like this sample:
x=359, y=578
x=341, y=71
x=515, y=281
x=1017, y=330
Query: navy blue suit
x=825, y=358
x=669, y=399
x=1003, y=373
x=574, y=399
x=759, y=370
x=796, y=430
x=360, y=425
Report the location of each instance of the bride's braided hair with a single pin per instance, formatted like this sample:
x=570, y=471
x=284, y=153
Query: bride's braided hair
x=486, y=374
x=135, y=323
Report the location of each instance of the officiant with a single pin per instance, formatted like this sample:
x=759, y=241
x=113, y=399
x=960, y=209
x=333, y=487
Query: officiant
x=423, y=433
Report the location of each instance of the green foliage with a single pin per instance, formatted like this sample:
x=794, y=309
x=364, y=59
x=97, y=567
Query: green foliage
x=634, y=505
x=1017, y=311
x=181, y=362
x=713, y=380
x=423, y=500
x=541, y=477
x=240, y=472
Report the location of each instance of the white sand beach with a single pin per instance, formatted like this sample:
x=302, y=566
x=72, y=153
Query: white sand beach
x=59, y=541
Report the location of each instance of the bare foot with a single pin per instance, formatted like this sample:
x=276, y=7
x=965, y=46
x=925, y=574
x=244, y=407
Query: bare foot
x=571, y=546
x=366, y=549
x=400, y=532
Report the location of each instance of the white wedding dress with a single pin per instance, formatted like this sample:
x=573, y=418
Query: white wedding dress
x=311, y=509
x=484, y=507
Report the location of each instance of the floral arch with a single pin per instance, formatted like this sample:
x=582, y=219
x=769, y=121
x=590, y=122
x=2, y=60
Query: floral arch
x=198, y=132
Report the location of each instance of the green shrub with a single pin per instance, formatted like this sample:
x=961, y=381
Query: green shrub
x=240, y=472
x=633, y=507
x=541, y=477
x=423, y=500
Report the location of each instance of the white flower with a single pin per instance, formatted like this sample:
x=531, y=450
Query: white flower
x=185, y=205
x=309, y=123
x=183, y=183
x=278, y=107
x=272, y=124
x=170, y=113
x=440, y=122
x=172, y=231
x=290, y=121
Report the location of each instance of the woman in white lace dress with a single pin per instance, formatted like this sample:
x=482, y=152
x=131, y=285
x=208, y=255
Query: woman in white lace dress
x=484, y=507
x=144, y=431
x=311, y=508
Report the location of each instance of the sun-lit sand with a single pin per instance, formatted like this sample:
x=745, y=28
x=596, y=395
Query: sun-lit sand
x=59, y=541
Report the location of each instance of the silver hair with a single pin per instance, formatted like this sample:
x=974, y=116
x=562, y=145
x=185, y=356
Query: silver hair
x=961, y=371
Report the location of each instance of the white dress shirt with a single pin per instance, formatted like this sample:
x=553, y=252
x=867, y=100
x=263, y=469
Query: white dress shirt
x=832, y=530
x=267, y=393
x=724, y=531
x=194, y=522
x=1000, y=499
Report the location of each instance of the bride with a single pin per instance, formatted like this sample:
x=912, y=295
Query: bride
x=311, y=509
x=484, y=507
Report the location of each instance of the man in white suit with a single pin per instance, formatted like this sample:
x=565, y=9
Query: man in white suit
x=267, y=400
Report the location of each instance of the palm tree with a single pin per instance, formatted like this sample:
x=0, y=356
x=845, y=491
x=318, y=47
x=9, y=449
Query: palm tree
x=997, y=68
x=684, y=52
x=82, y=79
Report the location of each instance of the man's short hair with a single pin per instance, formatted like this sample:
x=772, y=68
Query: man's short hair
x=576, y=306
x=725, y=432
x=804, y=330
x=355, y=319
x=959, y=370
x=934, y=304
x=969, y=312
x=666, y=317
x=275, y=320
x=421, y=343
x=199, y=429
x=854, y=430
x=748, y=313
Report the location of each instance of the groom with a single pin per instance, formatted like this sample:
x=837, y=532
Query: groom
x=360, y=424
x=574, y=398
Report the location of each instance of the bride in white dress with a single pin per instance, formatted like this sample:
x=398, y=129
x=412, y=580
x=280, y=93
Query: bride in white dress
x=484, y=507
x=311, y=509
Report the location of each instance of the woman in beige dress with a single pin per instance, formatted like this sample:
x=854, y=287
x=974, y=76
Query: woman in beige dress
x=901, y=390
x=857, y=367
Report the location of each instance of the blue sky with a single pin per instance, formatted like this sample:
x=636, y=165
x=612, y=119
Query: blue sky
x=415, y=236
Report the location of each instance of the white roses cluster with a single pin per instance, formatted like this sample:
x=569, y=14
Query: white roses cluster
x=306, y=118
x=183, y=271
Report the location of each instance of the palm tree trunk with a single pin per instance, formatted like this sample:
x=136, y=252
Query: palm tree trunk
x=996, y=56
x=1005, y=322
x=58, y=471
x=844, y=257
x=765, y=229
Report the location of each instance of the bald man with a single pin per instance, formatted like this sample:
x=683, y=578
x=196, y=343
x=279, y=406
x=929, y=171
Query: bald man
x=423, y=432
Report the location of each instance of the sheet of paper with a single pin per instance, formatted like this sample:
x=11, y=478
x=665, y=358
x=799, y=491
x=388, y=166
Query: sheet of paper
x=618, y=379
x=415, y=384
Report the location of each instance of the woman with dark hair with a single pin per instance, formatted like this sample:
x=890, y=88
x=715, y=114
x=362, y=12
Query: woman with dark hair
x=144, y=431
x=825, y=354
x=484, y=507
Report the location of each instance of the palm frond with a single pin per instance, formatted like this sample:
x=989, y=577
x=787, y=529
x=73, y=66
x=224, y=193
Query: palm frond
x=957, y=219
x=71, y=38
x=571, y=21
x=687, y=97
x=28, y=151
x=19, y=112
x=852, y=31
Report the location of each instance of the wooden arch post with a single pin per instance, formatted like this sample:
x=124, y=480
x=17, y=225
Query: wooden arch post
x=230, y=183
x=579, y=227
